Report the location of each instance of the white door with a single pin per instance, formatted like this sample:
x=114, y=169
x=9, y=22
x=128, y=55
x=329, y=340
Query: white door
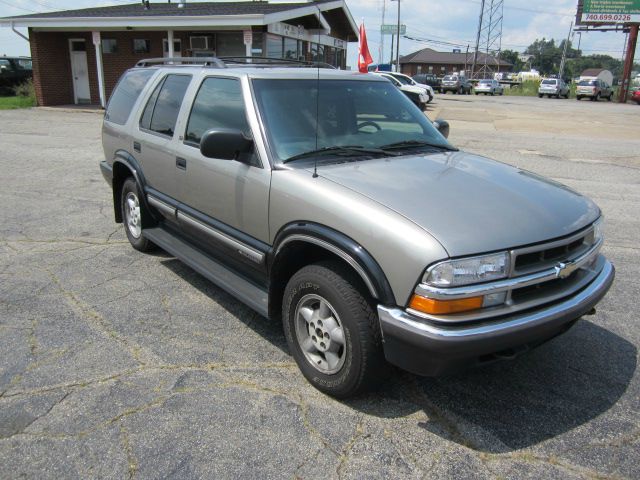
x=79, y=71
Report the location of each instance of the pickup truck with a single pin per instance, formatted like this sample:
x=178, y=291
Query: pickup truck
x=14, y=71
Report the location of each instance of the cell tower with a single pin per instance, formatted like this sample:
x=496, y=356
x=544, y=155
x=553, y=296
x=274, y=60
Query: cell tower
x=486, y=57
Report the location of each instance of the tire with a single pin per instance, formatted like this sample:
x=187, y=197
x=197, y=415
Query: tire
x=540, y=95
x=557, y=95
x=610, y=97
x=330, y=292
x=578, y=98
x=134, y=216
x=477, y=93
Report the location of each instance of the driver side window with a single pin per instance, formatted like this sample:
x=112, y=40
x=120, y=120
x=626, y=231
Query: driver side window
x=218, y=104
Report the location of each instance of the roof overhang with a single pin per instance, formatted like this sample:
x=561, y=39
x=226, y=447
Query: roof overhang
x=182, y=22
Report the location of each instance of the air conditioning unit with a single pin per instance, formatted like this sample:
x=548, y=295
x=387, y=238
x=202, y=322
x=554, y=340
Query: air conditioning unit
x=201, y=43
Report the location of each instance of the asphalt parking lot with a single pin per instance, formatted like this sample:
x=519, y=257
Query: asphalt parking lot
x=117, y=364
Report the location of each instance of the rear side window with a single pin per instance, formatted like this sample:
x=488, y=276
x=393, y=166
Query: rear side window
x=125, y=95
x=219, y=104
x=161, y=113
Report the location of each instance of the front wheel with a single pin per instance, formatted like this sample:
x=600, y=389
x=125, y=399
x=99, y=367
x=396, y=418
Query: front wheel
x=134, y=215
x=332, y=330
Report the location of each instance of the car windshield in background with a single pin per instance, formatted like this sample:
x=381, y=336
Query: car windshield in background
x=363, y=115
x=548, y=82
x=586, y=83
x=450, y=78
x=485, y=82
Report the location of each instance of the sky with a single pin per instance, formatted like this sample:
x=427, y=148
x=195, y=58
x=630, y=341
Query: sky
x=452, y=21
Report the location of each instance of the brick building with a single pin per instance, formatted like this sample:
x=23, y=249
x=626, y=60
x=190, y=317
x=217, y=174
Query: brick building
x=78, y=55
x=428, y=60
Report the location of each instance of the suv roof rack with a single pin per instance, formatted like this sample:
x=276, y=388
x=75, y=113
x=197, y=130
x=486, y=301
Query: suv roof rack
x=276, y=62
x=222, y=62
x=204, y=61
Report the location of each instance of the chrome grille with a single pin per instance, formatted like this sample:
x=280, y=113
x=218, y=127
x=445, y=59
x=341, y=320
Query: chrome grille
x=540, y=257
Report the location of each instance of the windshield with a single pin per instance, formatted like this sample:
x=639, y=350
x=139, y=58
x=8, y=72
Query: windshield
x=450, y=78
x=402, y=79
x=549, y=82
x=585, y=83
x=485, y=82
x=366, y=114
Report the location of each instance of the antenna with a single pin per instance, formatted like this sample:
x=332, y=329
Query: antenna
x=315, y=161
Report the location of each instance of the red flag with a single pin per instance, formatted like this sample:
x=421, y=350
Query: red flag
x=364, y=57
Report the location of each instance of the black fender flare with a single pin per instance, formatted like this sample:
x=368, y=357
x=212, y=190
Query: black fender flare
x=127, y=160
x=341, y=245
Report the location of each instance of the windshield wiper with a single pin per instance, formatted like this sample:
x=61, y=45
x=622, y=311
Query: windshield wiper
x=339, y=150
x=415, y=143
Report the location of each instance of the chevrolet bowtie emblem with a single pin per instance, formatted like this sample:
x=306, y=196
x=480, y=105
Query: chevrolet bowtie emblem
x=563, y=270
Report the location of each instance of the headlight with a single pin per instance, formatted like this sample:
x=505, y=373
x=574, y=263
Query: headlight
x=598, y=230
x=465, y=271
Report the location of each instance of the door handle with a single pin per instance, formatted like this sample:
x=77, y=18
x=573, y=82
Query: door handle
x=181, y=163
x=137, y=147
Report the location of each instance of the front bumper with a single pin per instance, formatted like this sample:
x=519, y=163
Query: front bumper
x=425, y=348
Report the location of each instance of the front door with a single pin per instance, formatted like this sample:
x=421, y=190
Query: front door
x=79, y=71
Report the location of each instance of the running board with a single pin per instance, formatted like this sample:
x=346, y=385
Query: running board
x=242, y=289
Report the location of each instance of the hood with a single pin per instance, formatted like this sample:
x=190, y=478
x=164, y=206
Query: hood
x=470, y=204
x=412, y=88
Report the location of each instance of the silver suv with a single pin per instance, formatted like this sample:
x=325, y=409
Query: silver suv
x=327, y=200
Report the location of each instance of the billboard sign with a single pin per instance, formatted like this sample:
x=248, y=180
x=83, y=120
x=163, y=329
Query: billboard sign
x=611, y=11
x=393, y=29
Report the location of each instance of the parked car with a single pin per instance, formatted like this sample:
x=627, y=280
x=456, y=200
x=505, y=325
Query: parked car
x=428, y=79
x=14, y=71
x=489, y=87
x=594, y=90
x=328, y=201
x=456, y=84
x=635, y=95
x=416, y=94
x=553, y=87
x=407, y=80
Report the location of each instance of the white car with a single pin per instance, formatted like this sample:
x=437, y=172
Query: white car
x=407, y=80
x=416, y=94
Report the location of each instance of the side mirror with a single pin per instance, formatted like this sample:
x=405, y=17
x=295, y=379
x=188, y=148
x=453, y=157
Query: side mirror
x=442, y=126
x=225, y=144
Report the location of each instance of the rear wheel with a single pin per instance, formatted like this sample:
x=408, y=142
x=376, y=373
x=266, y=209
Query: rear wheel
x=540, y=95
x=133, y=215
x=578, y=98
x=332, y=330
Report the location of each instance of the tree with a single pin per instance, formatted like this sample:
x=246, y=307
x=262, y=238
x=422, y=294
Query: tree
x=513, y=58
x=546, y=55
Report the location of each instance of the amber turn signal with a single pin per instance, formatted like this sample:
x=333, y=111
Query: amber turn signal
x=443, y=307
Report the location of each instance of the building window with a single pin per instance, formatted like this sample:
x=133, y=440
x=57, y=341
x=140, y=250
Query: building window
x=109, y=45
x=442, y=69
x=274, y=46
x=290, y=48
x=177, y=47
x=230, y=44
x=257, y=46
x=141, y=46
x=430, y=68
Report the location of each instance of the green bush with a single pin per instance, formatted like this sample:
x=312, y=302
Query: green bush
x=528, y=88
x=25, y=89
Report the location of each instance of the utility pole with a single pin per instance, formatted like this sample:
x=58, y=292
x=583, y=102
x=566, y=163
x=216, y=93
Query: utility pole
x=391, y=58
x=398, y=41
x=475, y=53
x=564, y=52
x=628, y=63
x=381, y=52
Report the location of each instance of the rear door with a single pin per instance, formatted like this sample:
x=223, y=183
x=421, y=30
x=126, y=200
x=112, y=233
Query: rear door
x=153, y=147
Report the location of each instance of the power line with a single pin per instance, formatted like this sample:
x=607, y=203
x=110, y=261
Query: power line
x=5, y=2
